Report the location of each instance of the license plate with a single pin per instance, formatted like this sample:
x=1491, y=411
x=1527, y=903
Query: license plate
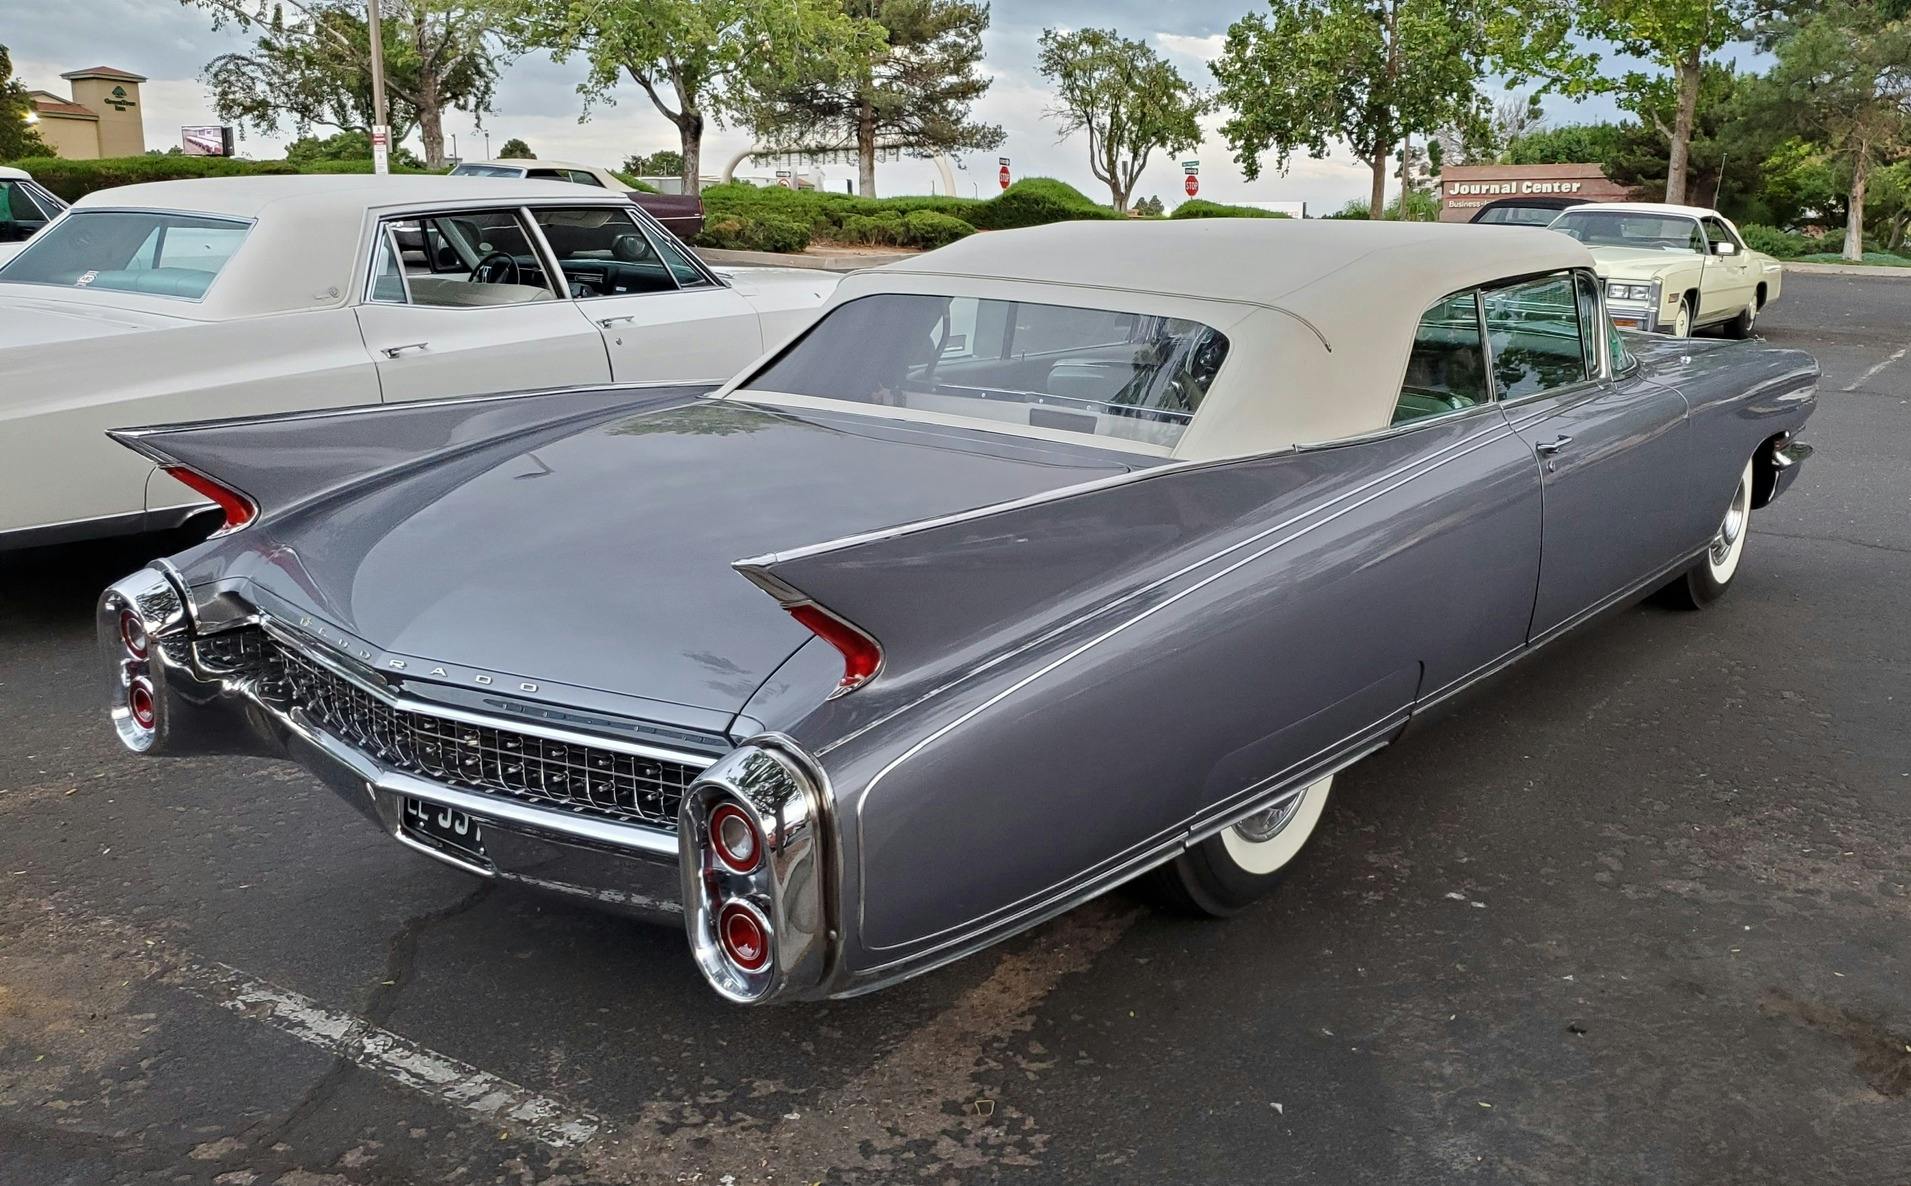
x=445, y=828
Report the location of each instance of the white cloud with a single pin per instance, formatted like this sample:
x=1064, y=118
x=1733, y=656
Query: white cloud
x=1204, y=49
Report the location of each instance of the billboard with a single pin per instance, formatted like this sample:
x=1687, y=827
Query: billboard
x=206, y=140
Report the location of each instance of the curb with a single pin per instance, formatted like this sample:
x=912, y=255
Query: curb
x=1847, y=269
x=842, y=262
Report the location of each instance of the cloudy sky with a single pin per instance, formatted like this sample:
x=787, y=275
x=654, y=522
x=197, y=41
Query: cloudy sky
x=537, y=99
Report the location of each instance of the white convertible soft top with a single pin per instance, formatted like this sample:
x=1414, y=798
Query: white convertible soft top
x=1320, y=314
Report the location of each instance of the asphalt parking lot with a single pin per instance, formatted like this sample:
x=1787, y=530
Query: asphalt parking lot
x=1637, y=912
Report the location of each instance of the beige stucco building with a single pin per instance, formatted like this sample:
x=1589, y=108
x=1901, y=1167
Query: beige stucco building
x=101, y=118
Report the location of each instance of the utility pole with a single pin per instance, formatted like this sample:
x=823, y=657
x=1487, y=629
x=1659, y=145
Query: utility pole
x=381, y=127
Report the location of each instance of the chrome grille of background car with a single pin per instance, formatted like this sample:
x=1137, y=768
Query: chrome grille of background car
x=586, y=779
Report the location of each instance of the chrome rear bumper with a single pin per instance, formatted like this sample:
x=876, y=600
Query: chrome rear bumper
x=199, y=711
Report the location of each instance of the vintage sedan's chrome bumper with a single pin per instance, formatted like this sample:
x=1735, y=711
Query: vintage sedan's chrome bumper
x=166, y=700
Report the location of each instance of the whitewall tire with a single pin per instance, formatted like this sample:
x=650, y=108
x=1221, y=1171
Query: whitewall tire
x=1711, y=574
x=1246, y=860
x=1682, y=324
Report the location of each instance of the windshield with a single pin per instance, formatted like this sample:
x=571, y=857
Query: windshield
x=1132, y=376
x=156, y=253
x=486, y=171
x=1629, y=228
x=1518, y=215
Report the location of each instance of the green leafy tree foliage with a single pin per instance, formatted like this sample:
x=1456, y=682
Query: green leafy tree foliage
x=1567, y=144
x=1127, y=98
x=914, y=90
x=697, y=60
x=344, y=146
x=1680, y=37
x=516, y=150
x=1150, y=206
x=18, y=138
x=1371, y=74
x=665, y=162
x=310, y=63
x=1844, y=72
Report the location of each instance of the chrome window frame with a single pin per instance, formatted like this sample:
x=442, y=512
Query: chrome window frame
x=39, y=237
x=1589, y=385
x=654, y=228
x=383, y=225
x=1486, y=357
x=630, y=210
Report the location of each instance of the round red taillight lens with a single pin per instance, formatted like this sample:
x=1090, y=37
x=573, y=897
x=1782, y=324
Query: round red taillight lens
x=139, y=702
x=132, y=633
x=744, y=937
x=734, y=838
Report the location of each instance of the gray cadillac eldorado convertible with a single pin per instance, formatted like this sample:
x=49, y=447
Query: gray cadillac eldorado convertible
x=1040, y=562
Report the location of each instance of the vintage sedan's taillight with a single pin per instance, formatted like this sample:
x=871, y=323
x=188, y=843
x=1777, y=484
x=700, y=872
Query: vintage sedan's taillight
x=744, y=935
x=861, y=656
x=239, y=509
x=734, y=838
x=140, y=704
x=132, y=634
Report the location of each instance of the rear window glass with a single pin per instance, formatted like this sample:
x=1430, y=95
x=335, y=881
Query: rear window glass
x=158, y=254
x=486, y=171
x=1015, y=364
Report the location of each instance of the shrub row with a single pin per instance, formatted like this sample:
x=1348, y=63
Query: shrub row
x=74, y=179
x=736, y=213
x=1772, y=241
x=1202, y=208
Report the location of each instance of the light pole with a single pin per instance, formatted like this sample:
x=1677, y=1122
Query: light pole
x=381, y=130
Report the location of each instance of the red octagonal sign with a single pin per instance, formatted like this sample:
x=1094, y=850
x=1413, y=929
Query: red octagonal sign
x=1192, y=185
x=1005, y=176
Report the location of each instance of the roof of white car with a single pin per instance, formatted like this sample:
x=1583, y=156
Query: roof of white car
x=251, y=197
x=1645, y=208
x=532, y=162
x=14, y=174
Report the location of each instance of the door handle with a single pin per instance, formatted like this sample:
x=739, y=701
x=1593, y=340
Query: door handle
x=1548, y=448
x=395, y=351
x=607, y=322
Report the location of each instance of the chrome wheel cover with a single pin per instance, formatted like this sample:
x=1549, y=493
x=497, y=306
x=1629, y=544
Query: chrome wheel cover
x=1263, y=826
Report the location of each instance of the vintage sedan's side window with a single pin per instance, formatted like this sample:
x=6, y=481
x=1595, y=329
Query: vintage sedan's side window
x=603, y=252
x=1533, y=330
x=464, y=259
x=1446, y=368
x=688, y=274
x=1591, y=313
x=1717, y=232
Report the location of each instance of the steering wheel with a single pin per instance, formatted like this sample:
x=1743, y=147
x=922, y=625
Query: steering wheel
x=497, y=268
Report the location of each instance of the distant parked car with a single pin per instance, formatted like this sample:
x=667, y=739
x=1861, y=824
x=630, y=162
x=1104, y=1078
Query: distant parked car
x=247, y=295
x=681, y=214
x=25, y=207
x=1674, y=269
x=1526, y=210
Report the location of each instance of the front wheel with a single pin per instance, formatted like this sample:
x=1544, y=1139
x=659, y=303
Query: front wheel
x=1741, y=326
x=1682, y=324
x=1224, y=873
x=1711, y=574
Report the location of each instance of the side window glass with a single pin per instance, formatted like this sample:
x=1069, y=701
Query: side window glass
x=579, y=177
x=475, y=258
x=1616, y=356
x=603, y=252
x=1590, y=315
x=688, y=274
x=388, y=277
x=1533, y=329
x=1446, y=368
x=17, y=204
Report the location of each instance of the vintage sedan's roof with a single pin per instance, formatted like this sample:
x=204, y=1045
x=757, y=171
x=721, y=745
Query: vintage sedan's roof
x=14, y=174
x=1652, y=208
x=252, y=197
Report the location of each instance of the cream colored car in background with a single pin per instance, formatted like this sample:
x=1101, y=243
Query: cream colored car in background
x=197, y=300
x=1674, y=269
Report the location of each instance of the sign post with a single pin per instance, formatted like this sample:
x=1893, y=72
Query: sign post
x=381, y=129
x=1193, y=183
x=1003, y=176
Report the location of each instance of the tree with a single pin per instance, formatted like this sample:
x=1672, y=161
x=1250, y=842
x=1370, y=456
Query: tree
x=1150, y=206
x=1679, y=36
x=18, y=138
x=1369, y=73
x=311, y=64
x=1127, y=98
x=697, y=60
x=915, y=89
x=515, y=149
x=665, y=162
x=1844, y=71
x=344, y=146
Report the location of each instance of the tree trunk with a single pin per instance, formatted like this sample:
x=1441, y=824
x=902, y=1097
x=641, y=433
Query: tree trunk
x=1377, y=196
x=1682, y=121
x=866, y=146
x=431, y=123
x=1855, y=210
x=690, y=143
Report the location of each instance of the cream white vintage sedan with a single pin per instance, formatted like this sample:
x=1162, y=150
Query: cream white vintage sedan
x=189, y=300
x=1674, y=269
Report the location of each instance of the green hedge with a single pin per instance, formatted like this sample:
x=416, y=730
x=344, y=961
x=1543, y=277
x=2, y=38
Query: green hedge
x=1772, y=241
x=930, y=220
x=73, y=180
x=753, y=231
x=1202, y=208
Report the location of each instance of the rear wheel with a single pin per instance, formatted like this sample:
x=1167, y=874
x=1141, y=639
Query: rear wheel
x=1711, y=574
x=1224, y=873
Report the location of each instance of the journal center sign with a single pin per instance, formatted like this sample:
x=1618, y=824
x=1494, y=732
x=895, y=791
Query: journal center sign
x=1466, y=188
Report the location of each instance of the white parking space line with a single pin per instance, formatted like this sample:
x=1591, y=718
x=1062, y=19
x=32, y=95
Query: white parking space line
x=497, y=1101
x=1865, y=378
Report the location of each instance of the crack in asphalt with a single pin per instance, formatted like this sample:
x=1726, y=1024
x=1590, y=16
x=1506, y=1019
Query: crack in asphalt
x=1833, y=539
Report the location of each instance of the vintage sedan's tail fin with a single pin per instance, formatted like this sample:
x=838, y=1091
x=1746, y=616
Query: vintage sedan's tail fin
x=269, y=463
x=949, y=593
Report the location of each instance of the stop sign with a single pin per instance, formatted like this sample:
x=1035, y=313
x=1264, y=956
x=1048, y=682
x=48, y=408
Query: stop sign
x=1003, y=176
x=1192, y=185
